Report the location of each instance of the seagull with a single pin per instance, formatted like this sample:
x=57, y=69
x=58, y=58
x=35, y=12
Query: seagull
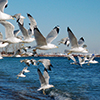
x=9, y=30
x=44, y=80
x=46, y=63
x=91, y=60
x=70, y=56
x=4, y=16
x=75, y=47
x=21, y=74
x=81, y=61
x=19, y=18
x=26, y=34
x=2, y=44
x=45, y=43
x=26, y=61
x=65, y=41
x=25, y=70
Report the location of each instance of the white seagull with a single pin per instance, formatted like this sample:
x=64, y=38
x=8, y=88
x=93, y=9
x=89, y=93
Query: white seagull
x=44, y=80
x=9, y=31
x=46, y=63
x=70, y=56
x=19, y=18
x=81, y=61
x=91, y=60
x=27, y=36
x=4, y=16
x=21, y=74
x=26, y=61
x=65, y=41
x=45, y=43
x=75, y=47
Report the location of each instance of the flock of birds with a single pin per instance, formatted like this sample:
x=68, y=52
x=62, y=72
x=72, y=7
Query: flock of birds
x=44, y=79
x=43, y=43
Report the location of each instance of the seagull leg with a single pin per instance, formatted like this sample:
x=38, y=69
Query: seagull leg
x=44, y=92
x=17, y=77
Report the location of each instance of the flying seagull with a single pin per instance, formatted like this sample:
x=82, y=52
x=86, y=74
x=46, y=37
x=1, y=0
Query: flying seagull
x=9, y=32
x=45, y=43
x=65, y=41
x=21, y=74
x=44, y=80
x=75, y=47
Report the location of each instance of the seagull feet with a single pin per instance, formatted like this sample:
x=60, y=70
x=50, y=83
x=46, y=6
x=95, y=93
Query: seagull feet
x=17, y=77
x=44, y=92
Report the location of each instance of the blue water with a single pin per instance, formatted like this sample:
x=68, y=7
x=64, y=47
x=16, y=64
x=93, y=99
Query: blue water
x=71, y=82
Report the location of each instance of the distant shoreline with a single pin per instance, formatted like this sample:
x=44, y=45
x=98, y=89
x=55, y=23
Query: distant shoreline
x=39, y=55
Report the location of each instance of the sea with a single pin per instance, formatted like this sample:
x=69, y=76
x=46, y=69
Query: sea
x=71, y=82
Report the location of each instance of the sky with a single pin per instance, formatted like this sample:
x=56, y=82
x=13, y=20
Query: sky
x=81, y=16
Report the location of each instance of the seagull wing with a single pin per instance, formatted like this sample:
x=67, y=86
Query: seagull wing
x=19, y=18
x=23, y=30
x=72, y=57
x=52, y=35
x=33, y=23
x=72, y=38
x=80, y=59
x=41, y=78
x=9, y=28
x=1, y=36
x=46, y=63
x=3, y=4
x=81, y=41
x=46, y=76
x=16, y=32
x=40, y=39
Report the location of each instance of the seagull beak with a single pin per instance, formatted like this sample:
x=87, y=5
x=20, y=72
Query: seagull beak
x=57, y=46
x=13, y=18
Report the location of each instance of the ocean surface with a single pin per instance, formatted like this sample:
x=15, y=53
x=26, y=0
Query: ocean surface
x=71, y=82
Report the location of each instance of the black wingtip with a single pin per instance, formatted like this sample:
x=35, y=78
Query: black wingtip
x=29, y=15
x=6, y=5
x=36, y=29
x=57, y=28
x=82, y=39
x=38, y=70
x=45, y=69
x=51, y=65
x=69, y=30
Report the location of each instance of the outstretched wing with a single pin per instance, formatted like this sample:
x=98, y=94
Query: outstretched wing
x=52, y=35
x=41, y=78
x=40, y=39
x=9, y=28
x=72, y=38
x=46, y=76
x=3, y=4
